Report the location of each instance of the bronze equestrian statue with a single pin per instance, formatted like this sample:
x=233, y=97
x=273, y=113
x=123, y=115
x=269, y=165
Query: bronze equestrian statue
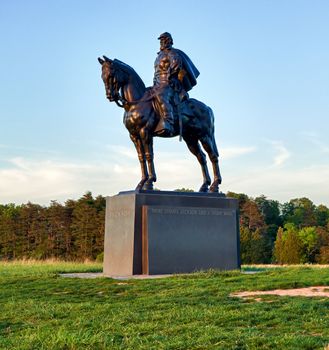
x=163, y=110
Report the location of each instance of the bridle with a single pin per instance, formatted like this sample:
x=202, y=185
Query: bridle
x=114, y=88
x=119, y=99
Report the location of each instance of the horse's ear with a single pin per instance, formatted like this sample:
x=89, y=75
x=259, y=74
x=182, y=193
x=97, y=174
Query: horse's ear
x=101, y=61
x=107, y=59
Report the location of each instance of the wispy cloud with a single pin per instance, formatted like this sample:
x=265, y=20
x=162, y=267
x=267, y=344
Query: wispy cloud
x=34, y=150
x=282, y=156
x=43, y=180
x=281, y=153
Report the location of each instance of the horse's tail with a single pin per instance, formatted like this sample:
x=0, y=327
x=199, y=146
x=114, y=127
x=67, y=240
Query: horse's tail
x=212, y=133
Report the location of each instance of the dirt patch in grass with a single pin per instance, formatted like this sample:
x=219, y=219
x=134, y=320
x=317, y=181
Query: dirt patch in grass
x=317, y=291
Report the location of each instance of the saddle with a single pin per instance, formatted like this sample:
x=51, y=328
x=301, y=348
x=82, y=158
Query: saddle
x=180, y=104
x=181, y=107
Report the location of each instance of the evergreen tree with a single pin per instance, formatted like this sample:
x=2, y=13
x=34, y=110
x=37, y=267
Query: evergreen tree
x=85, y=227
x=245, y=245
x=9, y=234
x=288, y=246
x=32, y=227
x=59, y=243
x=278, y=247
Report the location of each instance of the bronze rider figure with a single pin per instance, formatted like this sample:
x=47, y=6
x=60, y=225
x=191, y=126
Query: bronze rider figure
x=174, y=76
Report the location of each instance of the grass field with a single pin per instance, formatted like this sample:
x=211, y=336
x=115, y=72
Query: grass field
x=40, y=310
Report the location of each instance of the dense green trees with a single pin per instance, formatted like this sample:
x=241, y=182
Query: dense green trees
x=73, y=231
x=290, y=233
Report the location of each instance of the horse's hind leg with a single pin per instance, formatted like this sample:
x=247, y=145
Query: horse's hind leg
x=142, y=160
x=209, y=145
x=194, y=147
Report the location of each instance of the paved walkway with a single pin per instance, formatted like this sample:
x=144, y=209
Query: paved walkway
x=133, y=277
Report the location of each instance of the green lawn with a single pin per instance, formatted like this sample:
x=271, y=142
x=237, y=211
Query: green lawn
x=40, y=310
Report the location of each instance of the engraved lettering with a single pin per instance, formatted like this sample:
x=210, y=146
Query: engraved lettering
x=192, y=211
x=120, y=213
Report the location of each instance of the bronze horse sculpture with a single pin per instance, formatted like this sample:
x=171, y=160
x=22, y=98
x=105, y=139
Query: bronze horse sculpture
x=194, y=122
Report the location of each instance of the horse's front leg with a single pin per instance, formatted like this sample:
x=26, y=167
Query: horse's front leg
x=147, y=141
x=142, y=160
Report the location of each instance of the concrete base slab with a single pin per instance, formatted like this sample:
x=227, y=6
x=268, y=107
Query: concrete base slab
x=92, y=275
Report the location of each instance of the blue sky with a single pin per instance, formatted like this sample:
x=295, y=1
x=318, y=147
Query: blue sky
x=264, y=72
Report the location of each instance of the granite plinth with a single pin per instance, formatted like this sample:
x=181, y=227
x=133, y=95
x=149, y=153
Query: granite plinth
x=155, y=232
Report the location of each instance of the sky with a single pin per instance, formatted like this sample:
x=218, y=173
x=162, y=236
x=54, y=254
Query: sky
x=264, y=72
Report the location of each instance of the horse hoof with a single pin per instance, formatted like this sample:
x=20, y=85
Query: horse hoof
x=214, y=189
x=140, y=186
x=148, y=186
x=203, y=188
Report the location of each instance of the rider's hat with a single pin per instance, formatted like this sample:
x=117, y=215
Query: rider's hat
x=165, y=35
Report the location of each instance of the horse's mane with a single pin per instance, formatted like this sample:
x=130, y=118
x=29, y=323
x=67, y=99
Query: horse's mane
x=130, y=71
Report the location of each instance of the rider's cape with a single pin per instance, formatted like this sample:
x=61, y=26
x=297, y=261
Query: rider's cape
x=190, y=72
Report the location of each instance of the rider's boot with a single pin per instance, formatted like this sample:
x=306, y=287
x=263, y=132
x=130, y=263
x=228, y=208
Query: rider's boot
x=164, y=128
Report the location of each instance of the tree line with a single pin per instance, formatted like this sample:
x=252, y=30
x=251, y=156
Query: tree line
x=270, y=232
x=295, y=232
x=70, y=231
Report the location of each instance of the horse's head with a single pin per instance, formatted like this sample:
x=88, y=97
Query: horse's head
x=122, y=83
x=113, y=77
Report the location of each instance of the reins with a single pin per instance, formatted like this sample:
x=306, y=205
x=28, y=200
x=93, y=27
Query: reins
x=123, y=102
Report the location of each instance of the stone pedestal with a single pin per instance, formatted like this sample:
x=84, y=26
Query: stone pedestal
x=157, y=232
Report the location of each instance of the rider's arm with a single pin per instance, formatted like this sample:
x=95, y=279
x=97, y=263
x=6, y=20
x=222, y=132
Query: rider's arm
x=175, y=68
x=175, y=65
